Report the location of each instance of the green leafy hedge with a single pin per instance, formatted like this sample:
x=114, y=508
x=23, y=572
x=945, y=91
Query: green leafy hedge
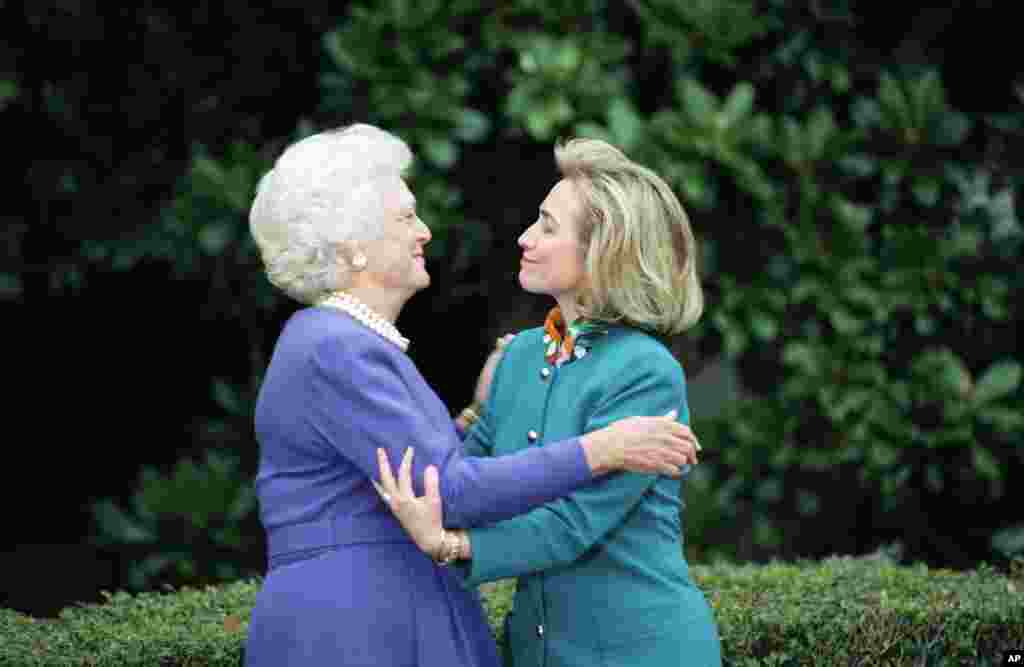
x=840, y=611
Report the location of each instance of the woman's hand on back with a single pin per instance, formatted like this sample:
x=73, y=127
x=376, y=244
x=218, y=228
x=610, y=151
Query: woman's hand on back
x=653, y=445
x=422, y=516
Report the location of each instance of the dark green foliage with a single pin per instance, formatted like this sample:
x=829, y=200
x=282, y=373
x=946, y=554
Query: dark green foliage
x=836, y=612
x=857, y=220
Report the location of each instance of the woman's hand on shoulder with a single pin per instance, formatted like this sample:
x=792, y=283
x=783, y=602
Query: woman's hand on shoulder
x=483, y=382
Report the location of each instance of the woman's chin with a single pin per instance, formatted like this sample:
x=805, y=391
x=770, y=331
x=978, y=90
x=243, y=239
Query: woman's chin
x=530, y=286
x=526, y=283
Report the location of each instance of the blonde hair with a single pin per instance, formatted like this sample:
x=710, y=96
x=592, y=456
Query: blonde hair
x=640, y=253
x=324, y=189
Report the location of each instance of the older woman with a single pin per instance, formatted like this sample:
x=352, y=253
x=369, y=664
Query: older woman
x=602, y=579
x=337, y=229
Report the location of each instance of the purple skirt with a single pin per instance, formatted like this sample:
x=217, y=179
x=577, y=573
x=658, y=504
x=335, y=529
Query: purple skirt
x=367, y=604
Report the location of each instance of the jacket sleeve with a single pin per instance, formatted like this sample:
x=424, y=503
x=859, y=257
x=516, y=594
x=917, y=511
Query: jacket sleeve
x=561, y=531
x=362, y=397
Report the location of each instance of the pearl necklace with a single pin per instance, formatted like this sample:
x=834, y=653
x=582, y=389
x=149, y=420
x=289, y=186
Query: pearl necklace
x=365, y=315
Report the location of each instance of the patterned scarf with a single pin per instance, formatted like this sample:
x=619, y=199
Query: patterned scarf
x=567, y=344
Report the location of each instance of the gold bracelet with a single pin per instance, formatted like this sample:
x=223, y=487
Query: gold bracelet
x=449, y=548
x=442, y=551
x=470, y=414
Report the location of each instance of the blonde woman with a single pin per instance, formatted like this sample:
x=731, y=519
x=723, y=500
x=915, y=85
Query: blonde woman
x=337, y=228
x=602, y=579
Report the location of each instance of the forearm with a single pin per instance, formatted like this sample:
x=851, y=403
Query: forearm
x=476, y=490
x=556, y=534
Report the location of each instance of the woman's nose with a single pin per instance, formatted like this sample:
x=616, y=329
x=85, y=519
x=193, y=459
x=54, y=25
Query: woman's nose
x=424, y=232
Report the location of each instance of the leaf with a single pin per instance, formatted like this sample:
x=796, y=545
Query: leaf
x=8, y=91
x=209, y=171
x=820, y=128
x=866, y=113
x=855, y=216
x=214, y=237
x=739, y=104
x=441, y=151
x=341, y=56
x=567, y=57
x=624, y=123
x=955, y=376
x=764, y=326
x=926, y=191
x=802, y=356
x=952, y=129
x=1004, y=219
x=736, y=341
x=699, y=103
x=858, y=165
x=966, y=242
x=1004, y=420
x=473, y=125
x=985, y=463
x=845, y=322
x=1009, y=541
x=894, y=102
x=927, y=96
x=228, y=398
x=854, y=400
x=114, y=523
x=1000, y=379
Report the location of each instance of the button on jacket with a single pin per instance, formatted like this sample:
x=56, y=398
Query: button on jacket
x=602, y=579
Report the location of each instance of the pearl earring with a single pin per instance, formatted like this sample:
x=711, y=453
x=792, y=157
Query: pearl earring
x=359, y=261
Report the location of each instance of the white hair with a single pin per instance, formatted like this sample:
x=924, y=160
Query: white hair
x=323, y=190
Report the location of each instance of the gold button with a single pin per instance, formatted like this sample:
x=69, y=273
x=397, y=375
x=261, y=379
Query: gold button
x=532, y=436
x=545, y=372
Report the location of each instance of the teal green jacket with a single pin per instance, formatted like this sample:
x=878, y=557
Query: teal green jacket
x=602, y=579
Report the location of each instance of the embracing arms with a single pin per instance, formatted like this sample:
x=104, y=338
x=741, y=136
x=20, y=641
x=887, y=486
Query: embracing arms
x=562, y=530
x=365, y=396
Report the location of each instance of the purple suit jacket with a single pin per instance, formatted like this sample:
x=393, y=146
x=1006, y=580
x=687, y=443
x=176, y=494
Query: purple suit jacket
x=334, y=392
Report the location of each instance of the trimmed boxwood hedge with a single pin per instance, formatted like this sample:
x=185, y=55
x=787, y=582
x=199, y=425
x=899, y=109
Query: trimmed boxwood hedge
x=839, y=611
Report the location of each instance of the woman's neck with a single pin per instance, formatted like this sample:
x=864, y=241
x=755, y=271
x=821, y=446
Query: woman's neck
x=567, y=304
x=383, y=302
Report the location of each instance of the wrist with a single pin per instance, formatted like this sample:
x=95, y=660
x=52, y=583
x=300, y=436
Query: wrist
x=440, y=544
x=600, y=452
x=453, y=546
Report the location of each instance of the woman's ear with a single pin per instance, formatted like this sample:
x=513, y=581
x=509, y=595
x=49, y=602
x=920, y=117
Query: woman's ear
x=351, y=255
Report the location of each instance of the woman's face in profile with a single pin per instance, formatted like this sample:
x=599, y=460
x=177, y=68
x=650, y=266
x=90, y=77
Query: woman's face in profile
x=552, y=261
x=396, y=259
